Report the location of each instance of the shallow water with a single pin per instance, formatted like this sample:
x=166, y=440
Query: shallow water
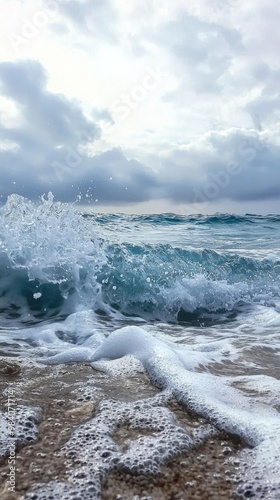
x=195, y=299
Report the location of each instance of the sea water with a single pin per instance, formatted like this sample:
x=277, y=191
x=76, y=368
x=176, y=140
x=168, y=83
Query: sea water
x=194, y=299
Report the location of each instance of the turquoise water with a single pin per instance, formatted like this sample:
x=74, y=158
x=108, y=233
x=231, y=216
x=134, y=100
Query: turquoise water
x=56, y=260
x=195, y=276
x=195, y=299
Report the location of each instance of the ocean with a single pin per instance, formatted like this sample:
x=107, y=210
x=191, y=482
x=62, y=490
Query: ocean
x=194, y=299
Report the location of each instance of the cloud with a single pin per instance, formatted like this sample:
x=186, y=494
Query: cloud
x=203, y=49
x=47, y=149
x=265, y=108
x=189, y=139
x=238, y=165
x=112, y=178
x=98, y=19
x=58, y=120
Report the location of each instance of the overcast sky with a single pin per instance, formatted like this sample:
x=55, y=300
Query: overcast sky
x=142, y=105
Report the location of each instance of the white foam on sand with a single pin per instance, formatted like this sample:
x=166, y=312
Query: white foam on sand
x=18, y=427
x=92, y=451
x=211, y=396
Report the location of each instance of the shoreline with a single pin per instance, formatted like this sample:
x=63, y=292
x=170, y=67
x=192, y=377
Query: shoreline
x=68, y=396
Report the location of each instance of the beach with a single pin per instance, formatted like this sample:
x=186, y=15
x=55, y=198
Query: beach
x=205, y=472
x=139, y=250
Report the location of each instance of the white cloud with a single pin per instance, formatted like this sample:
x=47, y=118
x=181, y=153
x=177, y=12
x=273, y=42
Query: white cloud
x=219, y=89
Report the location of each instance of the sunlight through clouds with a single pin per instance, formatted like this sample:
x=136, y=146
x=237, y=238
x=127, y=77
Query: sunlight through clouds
x=154, y=78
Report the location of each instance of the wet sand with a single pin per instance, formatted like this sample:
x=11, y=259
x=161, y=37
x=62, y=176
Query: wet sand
x=68, y=395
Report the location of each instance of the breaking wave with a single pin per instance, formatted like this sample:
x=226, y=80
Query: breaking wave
x=52, y=264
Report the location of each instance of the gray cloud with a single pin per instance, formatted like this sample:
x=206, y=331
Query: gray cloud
x=53, y=134
x=50, y=137
x=266, y=107
x=58, y=120
x=204, y=50
x=235, y=164
x=96, y=18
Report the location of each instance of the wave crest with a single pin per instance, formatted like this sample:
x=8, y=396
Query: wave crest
x=52, y=263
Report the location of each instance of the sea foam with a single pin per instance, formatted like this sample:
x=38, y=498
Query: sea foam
x=210, y=396
x=18, y=427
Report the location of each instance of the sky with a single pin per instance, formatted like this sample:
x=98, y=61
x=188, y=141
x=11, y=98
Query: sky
x=142, y=106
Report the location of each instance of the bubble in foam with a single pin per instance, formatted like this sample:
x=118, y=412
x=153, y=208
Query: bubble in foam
x=66, y=491
x=260, y=472
x=146, y=454
x=92, y=451
x=19, y=425
x=212, y=397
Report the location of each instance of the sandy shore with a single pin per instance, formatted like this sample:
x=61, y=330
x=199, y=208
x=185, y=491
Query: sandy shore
x=68, y=395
